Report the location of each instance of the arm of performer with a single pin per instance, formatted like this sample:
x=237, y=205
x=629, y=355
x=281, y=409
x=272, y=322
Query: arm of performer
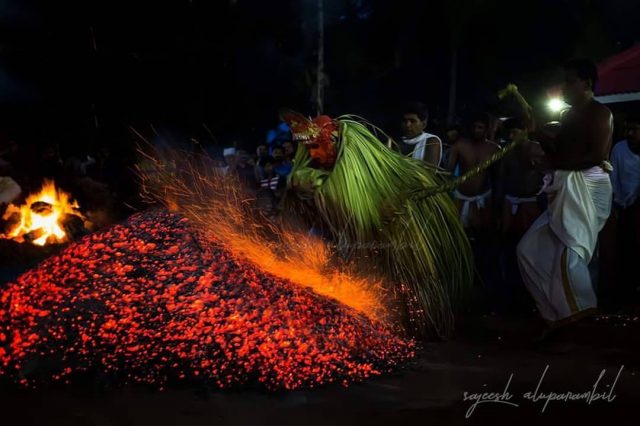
x=562, y=150
x=527, y=110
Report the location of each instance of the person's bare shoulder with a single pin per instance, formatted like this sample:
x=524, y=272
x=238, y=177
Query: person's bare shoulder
x=531, y=147
x=600, y=111
x=488, y=149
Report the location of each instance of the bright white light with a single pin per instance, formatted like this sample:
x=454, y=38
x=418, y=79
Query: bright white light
x=556, y=104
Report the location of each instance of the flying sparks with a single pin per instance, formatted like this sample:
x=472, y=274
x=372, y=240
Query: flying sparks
x=223, y=213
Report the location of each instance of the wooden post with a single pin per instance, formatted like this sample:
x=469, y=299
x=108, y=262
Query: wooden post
x=320, y=70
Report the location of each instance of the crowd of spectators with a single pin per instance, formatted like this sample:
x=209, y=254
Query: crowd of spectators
x=496, y=207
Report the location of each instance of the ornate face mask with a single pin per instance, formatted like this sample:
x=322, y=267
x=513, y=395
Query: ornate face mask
x=319, y=136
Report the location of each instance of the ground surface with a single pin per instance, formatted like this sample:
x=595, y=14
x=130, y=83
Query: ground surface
x=430, y=391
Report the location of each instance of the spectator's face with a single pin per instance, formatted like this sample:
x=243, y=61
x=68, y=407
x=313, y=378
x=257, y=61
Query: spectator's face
x=242, y=158
x=288, y=149
x=278, y=154
x=268, y=169
x=412, y=126
x=574, y=87
x=633, y=132
x=262, y=151
x=452, y=136
x=514, y=134
x=230, y=160
x=479, y=130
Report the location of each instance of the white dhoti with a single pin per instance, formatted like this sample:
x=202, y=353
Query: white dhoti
x=516, y=201
x=555, y=252
x=467, y=201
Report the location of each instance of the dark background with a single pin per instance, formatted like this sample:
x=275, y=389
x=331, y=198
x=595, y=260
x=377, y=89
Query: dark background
x=80, y=74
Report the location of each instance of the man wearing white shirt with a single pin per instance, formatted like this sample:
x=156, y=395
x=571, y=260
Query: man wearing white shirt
x=625, y=158
x=415, y=142
x=620, y=240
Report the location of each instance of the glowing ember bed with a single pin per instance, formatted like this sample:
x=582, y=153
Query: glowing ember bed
x=145, y=302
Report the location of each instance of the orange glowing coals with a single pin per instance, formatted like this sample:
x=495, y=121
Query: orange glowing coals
x=147, y=302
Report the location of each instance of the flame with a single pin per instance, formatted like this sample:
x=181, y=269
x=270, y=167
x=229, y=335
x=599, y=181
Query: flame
x=299, y=258
x=46, y=223
x=224, y=214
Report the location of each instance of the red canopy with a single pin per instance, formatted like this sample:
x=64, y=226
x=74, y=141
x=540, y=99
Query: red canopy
x=619, y=78
x=620, y=73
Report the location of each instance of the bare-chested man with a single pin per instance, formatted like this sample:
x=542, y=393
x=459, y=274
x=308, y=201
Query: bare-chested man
x=554, y=254
x=474, y=196
x=519, y=183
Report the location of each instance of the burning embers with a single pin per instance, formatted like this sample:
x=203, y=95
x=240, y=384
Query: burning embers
x=46, y=217
x=148, y=302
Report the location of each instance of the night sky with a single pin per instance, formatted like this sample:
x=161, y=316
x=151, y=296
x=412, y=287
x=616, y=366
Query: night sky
x=231, y=64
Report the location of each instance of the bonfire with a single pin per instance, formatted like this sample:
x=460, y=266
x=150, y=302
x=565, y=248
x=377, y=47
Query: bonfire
x=45, y=217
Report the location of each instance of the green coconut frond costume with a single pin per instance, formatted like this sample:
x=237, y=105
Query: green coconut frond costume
x=366, y=200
